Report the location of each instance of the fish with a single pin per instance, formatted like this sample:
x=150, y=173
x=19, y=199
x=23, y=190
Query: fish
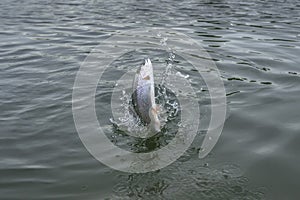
x=143, y=96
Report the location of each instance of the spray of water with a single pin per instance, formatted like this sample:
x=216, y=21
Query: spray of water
x=169, y=107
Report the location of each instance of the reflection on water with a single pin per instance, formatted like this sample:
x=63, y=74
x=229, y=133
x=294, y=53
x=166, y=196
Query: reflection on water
x=255, y=44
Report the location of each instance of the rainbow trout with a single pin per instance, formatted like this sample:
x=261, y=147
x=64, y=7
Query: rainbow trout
x=143, y=98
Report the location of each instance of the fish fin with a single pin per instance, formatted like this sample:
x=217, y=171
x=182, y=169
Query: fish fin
x=155, y=109
x=148, y=63
x=147, y=77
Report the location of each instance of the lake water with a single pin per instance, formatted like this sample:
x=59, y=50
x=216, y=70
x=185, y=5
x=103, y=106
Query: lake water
x=256, y=47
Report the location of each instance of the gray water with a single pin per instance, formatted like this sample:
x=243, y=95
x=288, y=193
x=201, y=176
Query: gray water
x=255, y=45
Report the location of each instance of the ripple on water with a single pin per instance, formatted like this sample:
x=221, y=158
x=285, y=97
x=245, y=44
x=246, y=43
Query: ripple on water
x=255, y=44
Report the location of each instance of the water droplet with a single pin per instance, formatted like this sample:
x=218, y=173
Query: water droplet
x=112, y=120
x=163, y=41
x=181, y=75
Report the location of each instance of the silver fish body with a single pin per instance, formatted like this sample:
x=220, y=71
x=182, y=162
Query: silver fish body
x=143, y=97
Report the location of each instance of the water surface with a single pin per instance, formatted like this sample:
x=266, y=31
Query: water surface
x=255, y=45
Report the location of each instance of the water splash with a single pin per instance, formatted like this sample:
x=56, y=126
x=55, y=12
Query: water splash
x=169, y=106
x=169, y=109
